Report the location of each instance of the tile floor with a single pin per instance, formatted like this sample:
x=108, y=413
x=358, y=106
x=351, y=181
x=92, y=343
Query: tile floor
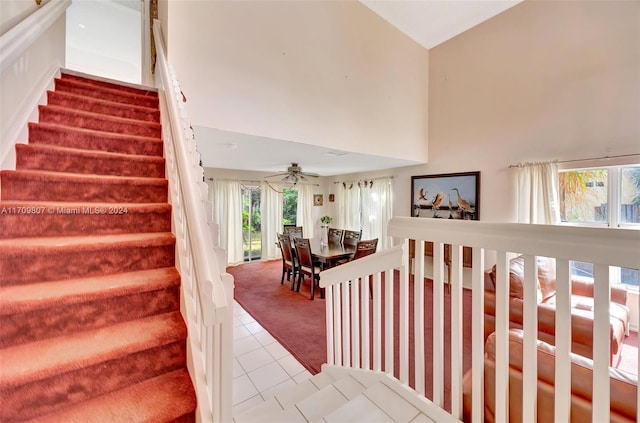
x=261, y=366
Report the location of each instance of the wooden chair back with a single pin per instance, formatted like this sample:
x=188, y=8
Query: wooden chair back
x=303, y=250
x=365, y=247
x=334, y=236
x=293, y=231
x=285, y=245
x=351, y=237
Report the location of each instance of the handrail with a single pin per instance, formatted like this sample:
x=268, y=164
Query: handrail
x=357, y=298
x=206, y=291
x=18, y=39
x=206, y=264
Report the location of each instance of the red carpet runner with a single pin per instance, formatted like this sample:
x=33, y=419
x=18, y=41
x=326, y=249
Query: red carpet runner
x=90, y=325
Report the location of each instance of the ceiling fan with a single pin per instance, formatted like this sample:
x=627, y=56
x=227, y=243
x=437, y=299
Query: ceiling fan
x=294, y=174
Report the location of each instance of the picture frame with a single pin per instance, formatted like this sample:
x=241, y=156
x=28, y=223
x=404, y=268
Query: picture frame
x=446, y=196
x=317, y=199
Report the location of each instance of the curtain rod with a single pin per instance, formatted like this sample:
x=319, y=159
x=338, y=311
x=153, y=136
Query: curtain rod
x=364, y=179
x=234, y=180
x=246, y=181
x=583, y=160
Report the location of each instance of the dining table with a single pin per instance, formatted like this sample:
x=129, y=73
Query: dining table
x=328, y=255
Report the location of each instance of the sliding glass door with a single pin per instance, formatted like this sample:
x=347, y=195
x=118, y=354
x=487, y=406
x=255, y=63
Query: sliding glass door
x=251, y=228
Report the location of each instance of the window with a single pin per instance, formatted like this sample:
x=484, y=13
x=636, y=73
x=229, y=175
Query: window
x=601, y=196
x=289, y=206
x=251, y=222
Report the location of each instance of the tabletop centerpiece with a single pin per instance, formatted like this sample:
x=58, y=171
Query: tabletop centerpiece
x=325, y=221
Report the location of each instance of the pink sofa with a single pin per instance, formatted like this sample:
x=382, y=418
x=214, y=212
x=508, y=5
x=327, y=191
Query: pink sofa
x=623, y=386
x=581, y=307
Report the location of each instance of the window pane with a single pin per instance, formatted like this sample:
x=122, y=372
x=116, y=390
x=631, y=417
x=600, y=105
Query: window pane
x=251, y=223
x=629, y=276
x=579, y=268
x=583, y=195
x=289, y=206
x=630, y=195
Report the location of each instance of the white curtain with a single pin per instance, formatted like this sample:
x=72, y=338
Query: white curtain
x=538, y=200
x=227, y=213
x=304, y=216
x=377, y=210
x=271, y=214
x=349, y=207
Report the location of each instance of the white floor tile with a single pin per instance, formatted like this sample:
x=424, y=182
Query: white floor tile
x=289, y=397
x=254, y=327
x=246, y=318
x=243, y=389
x=301, y=377
x=271, y=392
x=268, y=376
x=237, y=368
x=263, y=412
x=244, y=345
x=246, y=405
x=255, y=359
x=240, y=332
x=262, y=367
x=265, y=338
x=277, y=350
x=237, y=322
x=291, y=365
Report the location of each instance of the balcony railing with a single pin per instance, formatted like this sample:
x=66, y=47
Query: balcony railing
x=368, y=328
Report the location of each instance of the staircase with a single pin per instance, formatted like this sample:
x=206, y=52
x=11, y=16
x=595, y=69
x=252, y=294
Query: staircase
x=346, y=395
x=90, y=327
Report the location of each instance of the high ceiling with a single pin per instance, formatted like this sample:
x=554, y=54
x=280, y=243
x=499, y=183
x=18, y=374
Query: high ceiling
x=428, y=22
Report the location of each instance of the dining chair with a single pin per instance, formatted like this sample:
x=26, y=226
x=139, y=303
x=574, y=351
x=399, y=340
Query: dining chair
x=365, y=248
x=307, y=267
x=293, y=231
x=351, y=237
x=290, y=264
x=334, y=236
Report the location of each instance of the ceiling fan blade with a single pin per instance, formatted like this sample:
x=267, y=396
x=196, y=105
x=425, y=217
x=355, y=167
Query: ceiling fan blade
x=277, y=174
x=312, y=175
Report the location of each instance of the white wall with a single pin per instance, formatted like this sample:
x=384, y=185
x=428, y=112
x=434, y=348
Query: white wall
x=317, y=72
x=24, y=82
x=542, y=81
x=104, y=39
x=14, y=11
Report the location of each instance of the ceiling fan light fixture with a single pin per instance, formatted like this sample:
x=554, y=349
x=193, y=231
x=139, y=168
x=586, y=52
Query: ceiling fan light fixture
x=291, y=179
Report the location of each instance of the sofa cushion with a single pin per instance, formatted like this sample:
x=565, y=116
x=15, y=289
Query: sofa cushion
x=623, y=385
x=546, y=278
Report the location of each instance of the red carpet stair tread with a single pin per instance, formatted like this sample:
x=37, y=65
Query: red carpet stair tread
x=76, y=160
x=68, y=136
x=91, y=329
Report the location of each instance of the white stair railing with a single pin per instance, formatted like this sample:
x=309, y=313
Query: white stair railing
x=352, y=289
x=206, y=291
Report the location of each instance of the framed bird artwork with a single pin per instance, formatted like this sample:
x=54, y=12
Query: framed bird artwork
x=446, y=196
